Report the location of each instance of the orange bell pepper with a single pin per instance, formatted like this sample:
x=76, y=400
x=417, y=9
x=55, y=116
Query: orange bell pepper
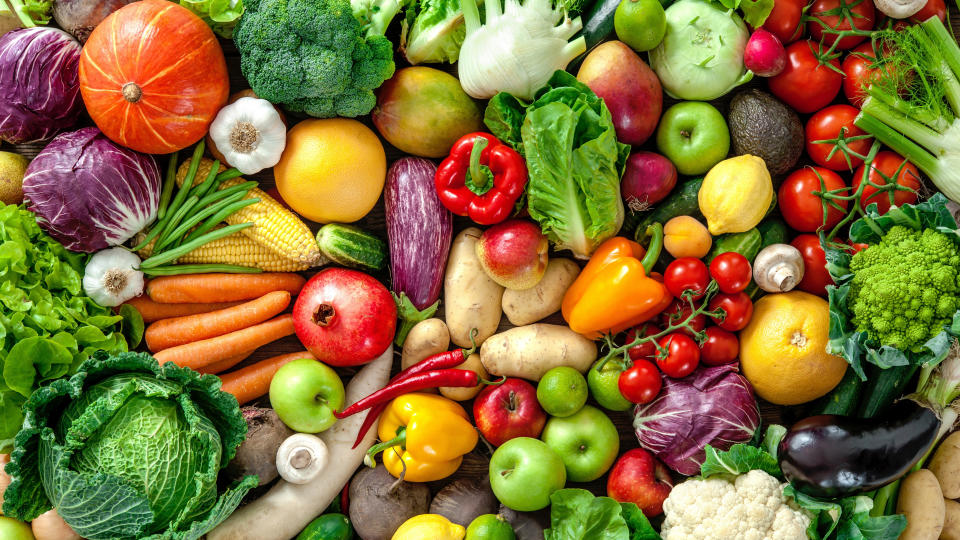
x=615, y=290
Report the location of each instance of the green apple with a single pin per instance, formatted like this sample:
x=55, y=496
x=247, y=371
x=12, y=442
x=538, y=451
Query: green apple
x=605, y=385
x=305, y=393
x=524, y=472
x=587, y=442
x=12, y=529
x=694, y=135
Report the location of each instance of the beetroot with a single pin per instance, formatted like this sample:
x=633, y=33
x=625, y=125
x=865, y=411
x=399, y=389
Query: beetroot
x=649, y=177
x=764, y=54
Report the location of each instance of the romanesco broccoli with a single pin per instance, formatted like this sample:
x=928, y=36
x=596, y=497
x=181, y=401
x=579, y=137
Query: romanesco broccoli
x=905, y=288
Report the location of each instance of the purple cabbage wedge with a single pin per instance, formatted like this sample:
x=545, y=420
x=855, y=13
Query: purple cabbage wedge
x=713, y=405
x=419, y=229
x=90, y=193
x=39, y=84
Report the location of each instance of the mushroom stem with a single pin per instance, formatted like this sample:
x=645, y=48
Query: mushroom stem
x=301, y=458
x=778, y=268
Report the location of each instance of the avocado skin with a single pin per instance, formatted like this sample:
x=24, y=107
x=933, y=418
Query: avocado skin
x=763, y=126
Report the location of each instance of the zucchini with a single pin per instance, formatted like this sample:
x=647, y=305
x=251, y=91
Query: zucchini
x=681, y=202
x=843, y=399
x=883, y=387
x=352, y=246
x=745, y=243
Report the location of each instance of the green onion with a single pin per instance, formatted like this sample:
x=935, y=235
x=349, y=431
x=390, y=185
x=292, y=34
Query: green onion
x=174, y=254
x=177, y=269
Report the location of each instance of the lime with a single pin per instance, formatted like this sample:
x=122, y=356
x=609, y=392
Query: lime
x=562, y=391
x=490, y=527
x=604, y=385
x=640, y=24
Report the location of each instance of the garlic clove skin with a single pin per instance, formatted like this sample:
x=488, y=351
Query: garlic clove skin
x=112, y=277
x=250, y=134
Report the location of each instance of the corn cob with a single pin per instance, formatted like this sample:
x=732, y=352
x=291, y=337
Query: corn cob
x=235, y=249
x=274, y=227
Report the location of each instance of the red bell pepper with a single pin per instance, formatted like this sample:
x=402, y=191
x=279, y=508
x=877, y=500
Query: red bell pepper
x=481, y=178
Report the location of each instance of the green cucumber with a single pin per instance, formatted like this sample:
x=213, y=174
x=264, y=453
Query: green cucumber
x=883, y=387
x=682, y=201
x=843, y=398
x=352, y=246
x=745, y=243
x=328, y=527
x=773, y=231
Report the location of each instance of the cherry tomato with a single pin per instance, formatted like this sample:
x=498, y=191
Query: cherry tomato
x=932, y=8
x=646, y=349
x=859, y=73
x=838, y=14
x=826, y=124
x=682, y=355
x=803, y=210
x=804, y=83
x=857, y=247
x=738, y=308
x=887, y=163
x=640, y=383
x=686, y=273
x=677, y=312
x=721, y=347
x=732, y=271
x=785, y=20
x=815, y=275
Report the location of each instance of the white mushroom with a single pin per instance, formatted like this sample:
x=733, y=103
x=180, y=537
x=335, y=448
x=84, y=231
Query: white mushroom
x=301, y=457
x=778, y=268
x=899, y=9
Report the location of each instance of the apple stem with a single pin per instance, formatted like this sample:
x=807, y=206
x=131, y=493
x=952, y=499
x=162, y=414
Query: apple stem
x=324, y=315
x=512, y=401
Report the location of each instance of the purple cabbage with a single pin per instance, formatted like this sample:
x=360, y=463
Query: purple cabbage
x=39, y=84
x=90, y=193
x=713, y=405
x=420, y=230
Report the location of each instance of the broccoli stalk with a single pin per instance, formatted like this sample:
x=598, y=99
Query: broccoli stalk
x=30, y=12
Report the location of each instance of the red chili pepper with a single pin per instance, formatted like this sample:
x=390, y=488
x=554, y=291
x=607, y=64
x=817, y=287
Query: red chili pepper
x=481, y=178
x=420, y=381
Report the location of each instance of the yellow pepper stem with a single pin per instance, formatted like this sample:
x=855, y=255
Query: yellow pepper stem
x=400, y=440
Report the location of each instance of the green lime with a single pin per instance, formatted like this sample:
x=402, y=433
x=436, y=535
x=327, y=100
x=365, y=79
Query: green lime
x=490, y=527
x=604, y=385
x=328, y=527
x=640, y=24
x=562, y=391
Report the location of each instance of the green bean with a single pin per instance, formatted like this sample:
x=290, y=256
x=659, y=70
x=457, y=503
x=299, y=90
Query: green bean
x=228, y=174
x=175, y=220
x=168, y=183
x=212, y=222
x=177, y=269
x=204, y=187
x=188, y=179
x=217, y=195
x=236, y=202
x=174, y=254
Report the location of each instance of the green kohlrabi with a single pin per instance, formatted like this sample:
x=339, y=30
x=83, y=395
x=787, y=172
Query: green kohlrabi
x=573, y=159
x=127, y=448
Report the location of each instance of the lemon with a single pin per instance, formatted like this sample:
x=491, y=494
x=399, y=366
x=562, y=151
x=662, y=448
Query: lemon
x=429, y=527
x=783, y=351
x=736, y=194
x=12, y=168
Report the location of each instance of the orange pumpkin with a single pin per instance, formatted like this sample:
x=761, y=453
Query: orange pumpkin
x=153, y=76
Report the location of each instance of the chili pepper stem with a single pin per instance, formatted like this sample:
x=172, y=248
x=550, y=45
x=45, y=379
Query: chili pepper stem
x=497, y=382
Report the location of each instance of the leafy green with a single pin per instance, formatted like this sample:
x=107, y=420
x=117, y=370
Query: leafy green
x=755, y=12
x=127, y=448
x=577, y=514
x=846, y=519
x=573, y=159
x=743, y=458
x=30, y=12
x=433, y=32
x=220, y=15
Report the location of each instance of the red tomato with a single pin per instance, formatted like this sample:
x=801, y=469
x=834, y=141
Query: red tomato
x=826, y=124
x=785, y=19
x=721, y=347
x=838, y=14
x=646, y=349
x=815, y=275
x=932, y=8
x=686, y=273
x=857, y=247
x=887, y=163
x=677, y=312
x=805, y=84
x=858, y=73
x=640, y=383
x=803, y=210
x=732, y=271
x=738, y=308
x=682, y=355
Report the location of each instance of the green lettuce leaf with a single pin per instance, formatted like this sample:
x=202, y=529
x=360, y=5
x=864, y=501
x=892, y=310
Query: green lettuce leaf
x=220, y=15
x=755, y=12
x=743, y=458
x=577, y=514
x=846, y=519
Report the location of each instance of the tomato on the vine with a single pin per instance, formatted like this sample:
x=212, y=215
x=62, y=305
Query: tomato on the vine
x=731, y=271
x=641, y=382
x=786, y=20
x=721, y=347
x=933, y=8
x=646, y=349
x=677, y=312
x=826, y=124
x=805, y=84
x=885, y=165
x=815, y=274
x=801, y=208
x=738, y=308
x=859, y=72
x=682, y=355
x=686, y=273
x=838, y=15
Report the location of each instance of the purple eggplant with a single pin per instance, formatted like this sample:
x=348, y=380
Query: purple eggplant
x=419, y=230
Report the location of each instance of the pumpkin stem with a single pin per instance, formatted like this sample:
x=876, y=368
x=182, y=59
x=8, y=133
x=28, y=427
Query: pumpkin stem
x=131, y=92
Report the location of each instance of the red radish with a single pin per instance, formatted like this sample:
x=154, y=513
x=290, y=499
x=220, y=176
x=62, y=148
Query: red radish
x=649, y=177
x=764, y=54
x=345, y=317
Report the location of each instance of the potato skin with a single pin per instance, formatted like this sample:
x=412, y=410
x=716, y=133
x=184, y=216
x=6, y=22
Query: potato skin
x=945, y=465
x=543, y=299
x=470, y=298
x=951, y=523
x=530, y=351
x=922, y=502
x=426, y=338
x=460, y=393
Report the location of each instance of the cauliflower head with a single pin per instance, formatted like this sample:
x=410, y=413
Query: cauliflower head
x=748, y=507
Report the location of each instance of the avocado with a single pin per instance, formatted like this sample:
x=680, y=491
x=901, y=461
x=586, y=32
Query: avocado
x=763, y=126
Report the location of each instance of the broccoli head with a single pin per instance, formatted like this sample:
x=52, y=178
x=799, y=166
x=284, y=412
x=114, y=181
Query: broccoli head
x=312, y=56
x=905, y=289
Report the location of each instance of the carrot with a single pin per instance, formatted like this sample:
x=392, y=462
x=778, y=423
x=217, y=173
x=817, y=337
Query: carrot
x=154, y=311
x=199, y=354
x=223, y=365
x=253, y=381
x=172, y=332
x=200, y=288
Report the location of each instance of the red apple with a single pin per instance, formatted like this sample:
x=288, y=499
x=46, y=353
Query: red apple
x=345, y=317
x=509, y=410
x=514, y=253
x=640, y=478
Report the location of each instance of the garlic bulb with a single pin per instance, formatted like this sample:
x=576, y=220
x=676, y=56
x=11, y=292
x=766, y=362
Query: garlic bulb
x=112, y=277
x=250, y=134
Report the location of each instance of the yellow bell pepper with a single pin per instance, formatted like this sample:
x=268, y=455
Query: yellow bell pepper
x=425, y=433
x=429, y=527
x=614, y=291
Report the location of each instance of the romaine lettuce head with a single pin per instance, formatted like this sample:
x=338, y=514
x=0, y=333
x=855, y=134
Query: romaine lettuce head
x=127, y=448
